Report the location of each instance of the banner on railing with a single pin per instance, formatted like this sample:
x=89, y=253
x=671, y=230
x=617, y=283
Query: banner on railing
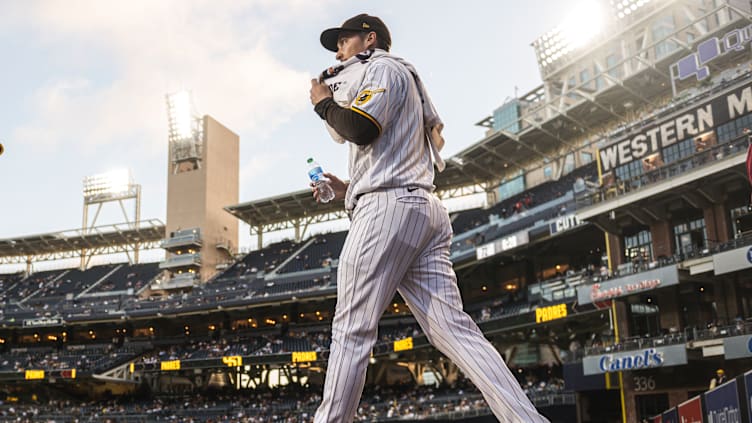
x=403, y=344
x=42, y=321
x=731, y=261
x=34, y=374
x=170, y=365
x=722, y=404
x=670, y=416
x=232, y=360
x=628, y=285
x=690, y=411
x=500, y=245
x=564, y=223
x=737, y=347
x=547, y=314
x=642, y=359
x=653, y=139
x=303, y=356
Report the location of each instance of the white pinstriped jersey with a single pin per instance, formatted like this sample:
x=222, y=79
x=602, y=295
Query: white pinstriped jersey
x=399, y=241
x=400, y=156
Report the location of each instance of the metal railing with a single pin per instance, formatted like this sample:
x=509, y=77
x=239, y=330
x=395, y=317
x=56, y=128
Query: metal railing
x=740, y=327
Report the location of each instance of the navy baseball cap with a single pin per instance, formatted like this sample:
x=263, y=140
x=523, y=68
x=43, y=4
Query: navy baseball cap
x=361, y=23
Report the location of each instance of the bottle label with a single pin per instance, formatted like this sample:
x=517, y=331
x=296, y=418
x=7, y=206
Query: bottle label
x=316, y=174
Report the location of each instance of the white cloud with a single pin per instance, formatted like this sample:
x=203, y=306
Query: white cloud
x=257, y=169
x=217, y=49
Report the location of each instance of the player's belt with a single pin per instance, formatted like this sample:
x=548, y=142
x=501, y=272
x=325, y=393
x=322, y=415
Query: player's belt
x=397, y=190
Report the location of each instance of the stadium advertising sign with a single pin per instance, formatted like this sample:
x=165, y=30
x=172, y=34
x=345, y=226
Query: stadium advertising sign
x=722, y=404
x=648, y=358
x=693, y=122
x=501, y=245
x=403, y=344
x=731, y=261
x=170, y=365
x=547, y=314
x=232, y=360
x=748, y=393
x=42, y=321
x=34, y=374
x=303, y=356
x=690, y=411
x=737, y=347
x=564, y=223
x=696, y=64
x=633, y=284
x=671, y=416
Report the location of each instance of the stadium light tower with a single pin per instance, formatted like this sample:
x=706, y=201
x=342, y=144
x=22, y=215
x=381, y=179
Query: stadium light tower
x=584, y=23
x=624, y=8
x=113, y=186
x=185, y=133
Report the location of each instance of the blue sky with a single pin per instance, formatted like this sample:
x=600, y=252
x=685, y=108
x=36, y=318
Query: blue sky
x=83, y=85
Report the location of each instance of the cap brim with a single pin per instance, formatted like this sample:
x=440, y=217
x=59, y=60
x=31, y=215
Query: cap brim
x=329, y=38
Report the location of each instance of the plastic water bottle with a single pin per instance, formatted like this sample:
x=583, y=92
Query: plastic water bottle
x=326, y=193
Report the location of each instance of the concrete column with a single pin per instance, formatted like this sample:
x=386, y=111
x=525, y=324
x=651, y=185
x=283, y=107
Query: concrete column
x=630, y=402
x=661, y=235
x=677, y=396
x=670, y=315
x=616, y=250
x=716, y=223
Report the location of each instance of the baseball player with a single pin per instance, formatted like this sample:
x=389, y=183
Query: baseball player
x=400, y=232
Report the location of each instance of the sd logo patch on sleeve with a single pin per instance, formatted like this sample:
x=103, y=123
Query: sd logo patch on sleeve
x=366, y=95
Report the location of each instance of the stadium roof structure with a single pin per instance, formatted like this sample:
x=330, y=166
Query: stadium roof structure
x=549, y=128
x=74, y=243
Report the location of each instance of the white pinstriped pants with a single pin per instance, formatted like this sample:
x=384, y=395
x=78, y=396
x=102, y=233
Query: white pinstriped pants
x=399, y=241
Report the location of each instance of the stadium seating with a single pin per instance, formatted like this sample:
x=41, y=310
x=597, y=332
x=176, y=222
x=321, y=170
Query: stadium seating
x=266, y=259
x=126, y=277
x=8, y=282
x=31, y=284
x=74, y=282
x=286, y=288
x=317, y=254
x=82, y=357
x=521, y=211
x=284, y=404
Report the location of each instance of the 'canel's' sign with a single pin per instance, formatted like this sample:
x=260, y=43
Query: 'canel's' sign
x=693, y=122
x=648, y=358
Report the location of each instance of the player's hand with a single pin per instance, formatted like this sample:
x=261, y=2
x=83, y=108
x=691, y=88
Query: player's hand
x=338, y=186
x=319, y=91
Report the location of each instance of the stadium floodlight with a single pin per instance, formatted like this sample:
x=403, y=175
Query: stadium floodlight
x=180, y=115
x=584, y=23
x=624, y=8
x=185, y=131
x=113, y=186
x=109, y=185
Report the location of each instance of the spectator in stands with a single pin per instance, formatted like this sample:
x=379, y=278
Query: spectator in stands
x=528, y=200
x=648, y=165
x=563, y=210
x=518, y=206
x=608, y=186
x=718, y=380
